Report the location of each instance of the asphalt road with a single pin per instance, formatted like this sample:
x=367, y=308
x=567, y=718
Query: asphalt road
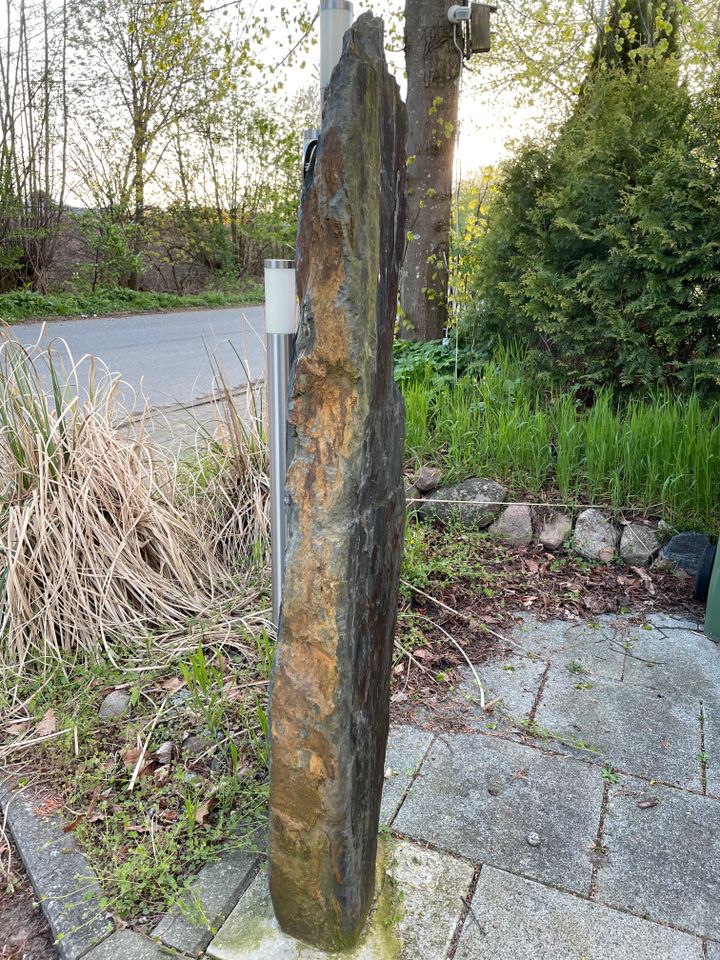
x=162, y=358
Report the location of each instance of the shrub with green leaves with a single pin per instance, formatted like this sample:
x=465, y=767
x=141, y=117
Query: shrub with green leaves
x=603, y=248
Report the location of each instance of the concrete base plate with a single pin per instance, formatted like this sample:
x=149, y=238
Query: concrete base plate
x=416, y=917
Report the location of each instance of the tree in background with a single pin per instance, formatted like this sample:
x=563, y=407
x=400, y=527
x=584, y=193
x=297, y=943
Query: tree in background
x=603, y=248
x=434, y=65
x=33, y=141
x=637, y=28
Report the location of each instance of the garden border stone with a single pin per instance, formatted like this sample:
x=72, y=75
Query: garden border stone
x=55, y=865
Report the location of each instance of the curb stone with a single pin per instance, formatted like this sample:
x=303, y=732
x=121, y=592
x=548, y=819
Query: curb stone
x=64, y=881
x=217, y=890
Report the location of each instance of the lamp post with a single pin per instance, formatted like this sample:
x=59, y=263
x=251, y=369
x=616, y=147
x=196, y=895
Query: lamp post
x=280, y=325
x=336, y=17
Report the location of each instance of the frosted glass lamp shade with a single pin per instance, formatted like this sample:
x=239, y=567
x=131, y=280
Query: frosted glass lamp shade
x=280, y=300
x=336, y=17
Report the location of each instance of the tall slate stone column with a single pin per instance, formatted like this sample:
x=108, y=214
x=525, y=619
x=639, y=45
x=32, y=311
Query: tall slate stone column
x=331, y=684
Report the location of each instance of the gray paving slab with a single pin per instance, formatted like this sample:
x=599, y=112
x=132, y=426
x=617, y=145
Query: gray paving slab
x=630, y=727
x=426, y=894
x=593, y=646
x=671, y=621
x=65, y=883
x=663, y=861
x=679, y=663
x=483, y=796
x=711, y=724
x=405, y=750
x=514, y=681
x=191, y=925
x=432, y=887
x=517, y=919
x=128, y=945
x=713, y=951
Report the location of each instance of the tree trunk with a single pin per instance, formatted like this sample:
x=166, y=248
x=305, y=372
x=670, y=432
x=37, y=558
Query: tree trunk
x=139, y=213
x=433, y=68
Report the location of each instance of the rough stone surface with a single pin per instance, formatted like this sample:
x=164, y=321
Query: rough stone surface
x=194, y=745
x=330, y=695
x=596, y=537
x=128, y=945
x=711, y=725
x=667, y=621
x=115, y=705
x=517, y=919
x=513, y=681
x=428, y=479
x=217, y=889
x=432, y=889
x=405, y=751
x=680, y=665
x=480, y=796
x=629, y=727
x=482, y=502
x=639, y=543
x=426, y=894
x=594, y=647
x=713, y=951
x=555, y=529
x=64, y=881
x=664, y=861
x=514, y=524
x=686, y=551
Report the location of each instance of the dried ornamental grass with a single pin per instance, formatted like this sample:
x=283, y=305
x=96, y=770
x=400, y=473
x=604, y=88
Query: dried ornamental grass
x=91, y=546
x=227, y=491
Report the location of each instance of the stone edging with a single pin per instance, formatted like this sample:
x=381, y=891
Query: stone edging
x=65, y=883
x=591, y=532
x=72, y=900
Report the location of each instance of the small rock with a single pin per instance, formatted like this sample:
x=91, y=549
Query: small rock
x=115, y=705
x=514, y=525
x=639, y=544
x=533, y=839
x=428, y=479
x=164, y=752
x=686, y=551
x=555, y=530
x=482, y=502
x=194, y=745
x=596, y=537
x=494, y=787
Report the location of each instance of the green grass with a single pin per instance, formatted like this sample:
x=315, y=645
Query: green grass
x=659, y=454
x=28, y=305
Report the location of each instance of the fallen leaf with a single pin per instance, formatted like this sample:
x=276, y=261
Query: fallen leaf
x=172, y=684
x=130, y=757
x=47, y=725
x=16, y=729
x=162, y=775
x=49, y=805
x=203, y=810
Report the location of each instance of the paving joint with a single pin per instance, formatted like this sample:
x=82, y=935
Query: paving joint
x=599, y=763
x=413, y=778
x=703, y=761
x=540, y=691
x=600, y=850
x=464, y=913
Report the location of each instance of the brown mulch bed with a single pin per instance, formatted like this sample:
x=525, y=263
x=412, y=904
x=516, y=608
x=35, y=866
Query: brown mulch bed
x=24, y=933
x=479, y=611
